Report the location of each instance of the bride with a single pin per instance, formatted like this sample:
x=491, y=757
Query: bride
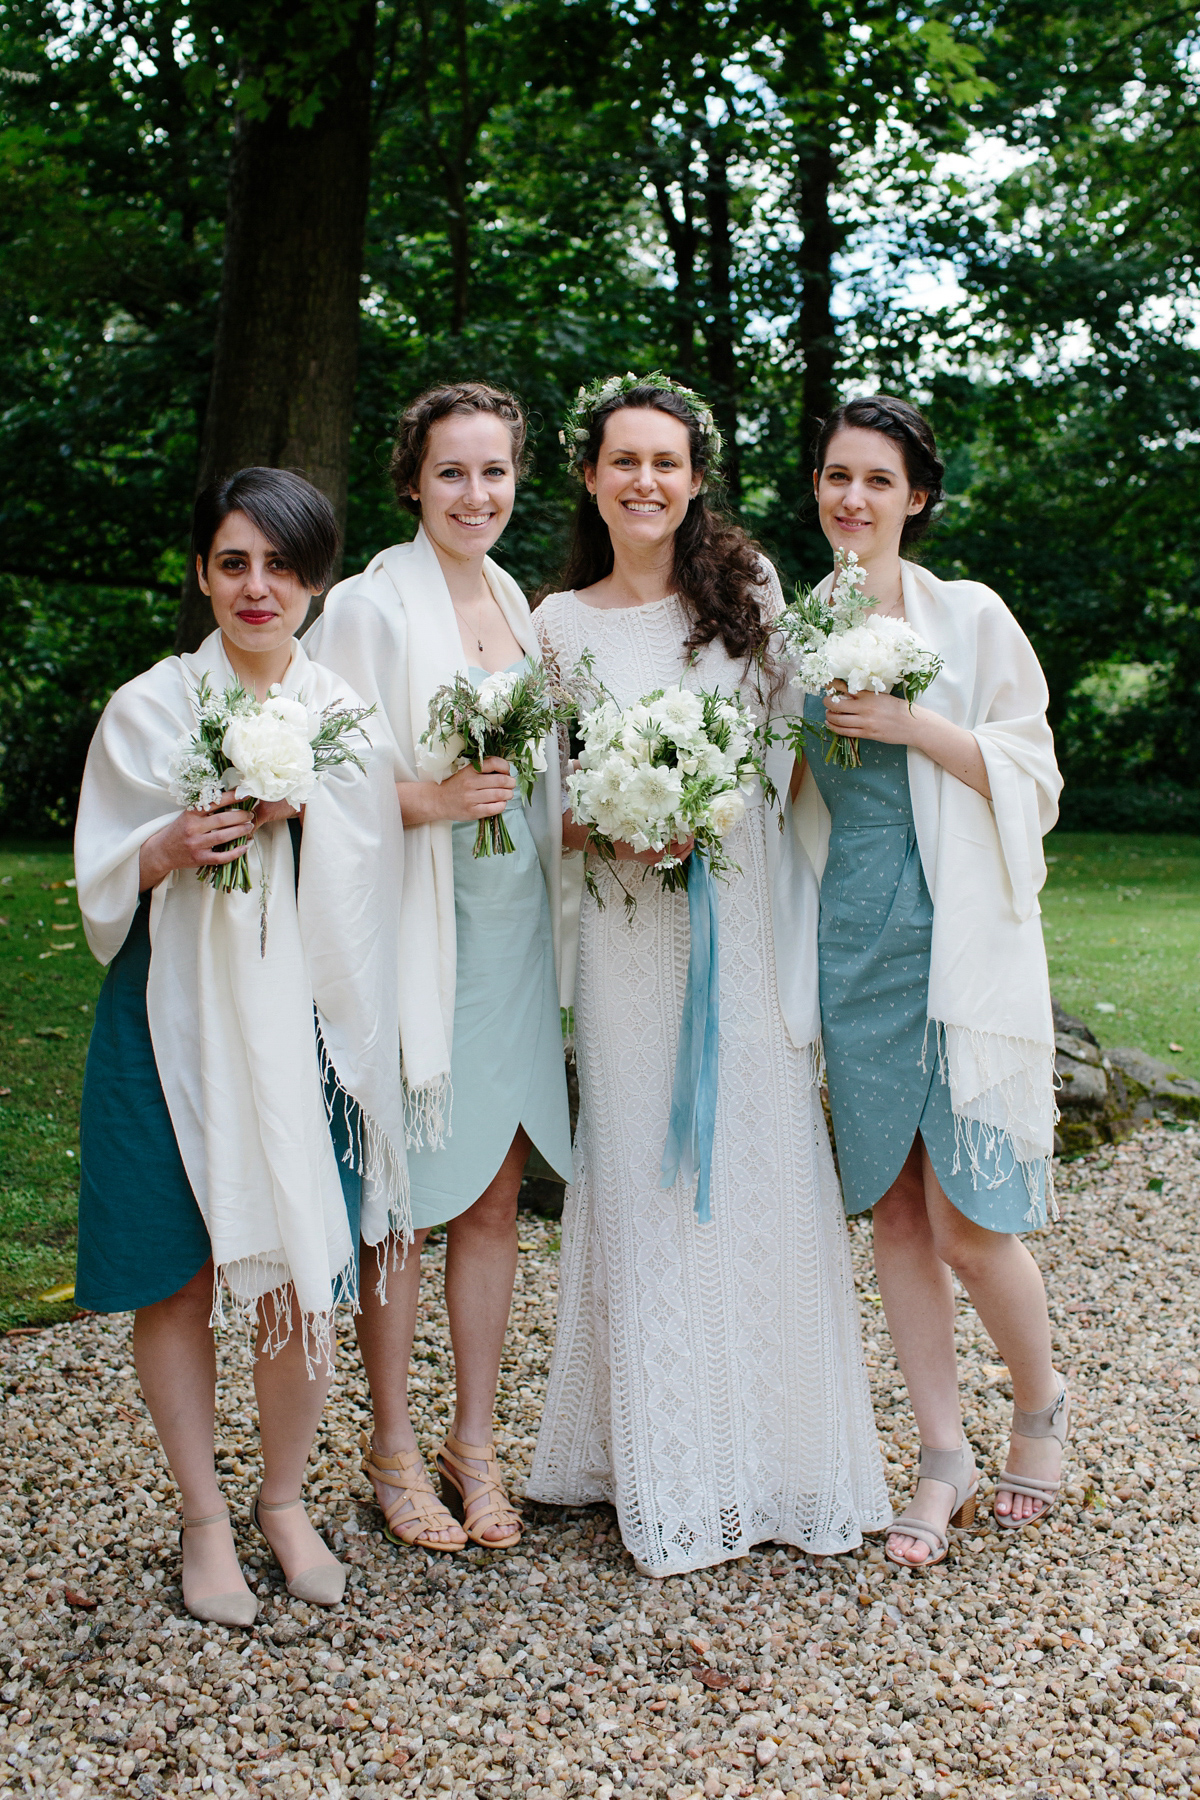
x=707, y=1379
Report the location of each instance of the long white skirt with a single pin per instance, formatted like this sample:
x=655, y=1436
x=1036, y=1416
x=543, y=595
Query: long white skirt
x=707, y=1380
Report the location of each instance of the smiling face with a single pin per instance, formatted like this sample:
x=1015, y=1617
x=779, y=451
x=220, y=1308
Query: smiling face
x=643, y=477
x=863, y=493
x=468, y=483
x=258, y=599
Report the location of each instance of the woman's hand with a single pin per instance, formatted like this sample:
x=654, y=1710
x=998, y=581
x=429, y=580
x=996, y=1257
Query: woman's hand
x=650, y=859
x=196, y=840
x=889, y=719
x=266, y=812
x=471, y=794
x=885, y=718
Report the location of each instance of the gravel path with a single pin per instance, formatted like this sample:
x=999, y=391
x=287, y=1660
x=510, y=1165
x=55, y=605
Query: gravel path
x=1062, y=1663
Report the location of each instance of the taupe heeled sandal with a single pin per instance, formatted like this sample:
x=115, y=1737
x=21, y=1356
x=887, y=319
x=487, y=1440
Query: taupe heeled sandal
x=416, y=1511
x=238, y=1608
x=1053, y=1421
x=956, y=1468
x=321, y=1585
x=489, y=1506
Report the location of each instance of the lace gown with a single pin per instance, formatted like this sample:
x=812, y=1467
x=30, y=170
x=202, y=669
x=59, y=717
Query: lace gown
x=707, y=1380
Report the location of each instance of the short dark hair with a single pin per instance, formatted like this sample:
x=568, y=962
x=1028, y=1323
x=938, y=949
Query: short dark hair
x=290, y=511
x=419, y=417
x=908, y=428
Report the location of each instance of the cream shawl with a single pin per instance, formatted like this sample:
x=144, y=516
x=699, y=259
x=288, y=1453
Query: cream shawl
x=233, y=1030
x=392, y=633
x=989, y=988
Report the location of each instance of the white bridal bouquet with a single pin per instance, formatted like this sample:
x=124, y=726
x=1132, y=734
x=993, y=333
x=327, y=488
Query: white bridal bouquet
x=274, y=749
x=509, y=715
x=839, y=639
x=673, y=765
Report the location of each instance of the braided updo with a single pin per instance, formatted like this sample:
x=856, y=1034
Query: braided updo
x=422, y=414
x=906, y=427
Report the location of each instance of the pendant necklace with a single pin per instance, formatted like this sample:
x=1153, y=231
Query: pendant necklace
x=475, y=632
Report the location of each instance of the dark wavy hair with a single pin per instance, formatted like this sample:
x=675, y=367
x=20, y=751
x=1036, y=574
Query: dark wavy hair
x=719, y=571
x=288, y=510
x=908, y=428
x=422, y=414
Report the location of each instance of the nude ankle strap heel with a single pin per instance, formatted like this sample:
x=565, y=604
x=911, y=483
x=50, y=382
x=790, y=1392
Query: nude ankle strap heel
x=238, y=1608
x=956, y=1468
x=321, y=1585
x=1054, y=1421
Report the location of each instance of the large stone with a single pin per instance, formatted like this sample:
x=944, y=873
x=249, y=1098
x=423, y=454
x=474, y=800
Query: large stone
x=1155, y=1089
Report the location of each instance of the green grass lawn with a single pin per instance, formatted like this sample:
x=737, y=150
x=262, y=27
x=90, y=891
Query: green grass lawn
x=1122, y=922
x=48, y=987
x=1121, y=916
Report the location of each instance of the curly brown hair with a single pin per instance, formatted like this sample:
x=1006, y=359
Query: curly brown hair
x=422, y=414
x=719, y=570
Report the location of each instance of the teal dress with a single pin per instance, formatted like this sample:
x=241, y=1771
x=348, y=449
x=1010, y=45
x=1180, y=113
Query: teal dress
x=885, y=1079
x=142, y=1236
x=506, y=1065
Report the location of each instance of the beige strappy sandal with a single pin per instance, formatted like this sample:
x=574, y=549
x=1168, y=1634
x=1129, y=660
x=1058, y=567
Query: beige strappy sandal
x=1053, y=1421
x=956, y=1468
x=488, y=1506
x=416, y=1512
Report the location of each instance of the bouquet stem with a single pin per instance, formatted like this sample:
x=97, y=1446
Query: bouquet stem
x=492, y=838
x=230, y=877
x=843, y=752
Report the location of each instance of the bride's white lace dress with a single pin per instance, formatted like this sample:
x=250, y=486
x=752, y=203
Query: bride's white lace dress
x=708, y=1380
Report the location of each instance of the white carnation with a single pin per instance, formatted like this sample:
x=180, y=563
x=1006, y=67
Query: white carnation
x=272, y=760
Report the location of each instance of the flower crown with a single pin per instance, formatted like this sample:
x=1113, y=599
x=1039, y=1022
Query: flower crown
x=577, y=427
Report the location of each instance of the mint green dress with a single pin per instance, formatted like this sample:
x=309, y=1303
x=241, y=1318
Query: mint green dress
x=506, y=1063
x=876, y=927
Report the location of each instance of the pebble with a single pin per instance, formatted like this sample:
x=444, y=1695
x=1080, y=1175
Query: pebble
x=1060, y=1662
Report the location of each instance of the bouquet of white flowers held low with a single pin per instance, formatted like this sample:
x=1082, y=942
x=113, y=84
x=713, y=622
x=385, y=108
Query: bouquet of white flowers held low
x=671, y=766
x=509, y=715
x=275, y=749
x=840, y=639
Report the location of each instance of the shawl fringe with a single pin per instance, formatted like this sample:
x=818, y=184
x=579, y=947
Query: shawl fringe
x=995, y=1081
x=275, y=1311
x=427, y=1114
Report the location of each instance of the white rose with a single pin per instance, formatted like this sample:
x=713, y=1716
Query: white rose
x=436, y=761
x=493, y=695
x=726, y=811
x=293, y=713
x=271, y=759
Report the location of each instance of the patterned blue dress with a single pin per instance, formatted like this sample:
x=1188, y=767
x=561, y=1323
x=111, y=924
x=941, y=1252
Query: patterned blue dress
x=885, y=1082
x=506, y=1064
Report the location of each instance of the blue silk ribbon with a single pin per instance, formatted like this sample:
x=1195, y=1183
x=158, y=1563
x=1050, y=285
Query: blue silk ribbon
x=688, y=1149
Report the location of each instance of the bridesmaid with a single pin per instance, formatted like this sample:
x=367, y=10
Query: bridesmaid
x=935, y=998
x=479, y=1002
x=208, y=1166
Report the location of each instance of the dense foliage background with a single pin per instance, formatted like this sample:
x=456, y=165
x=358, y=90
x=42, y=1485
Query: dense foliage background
x=990, y=208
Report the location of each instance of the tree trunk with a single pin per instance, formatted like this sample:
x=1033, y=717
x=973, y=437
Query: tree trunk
x=818, y=330
x=721, y=328
x=683, y=239
x=286, y=350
